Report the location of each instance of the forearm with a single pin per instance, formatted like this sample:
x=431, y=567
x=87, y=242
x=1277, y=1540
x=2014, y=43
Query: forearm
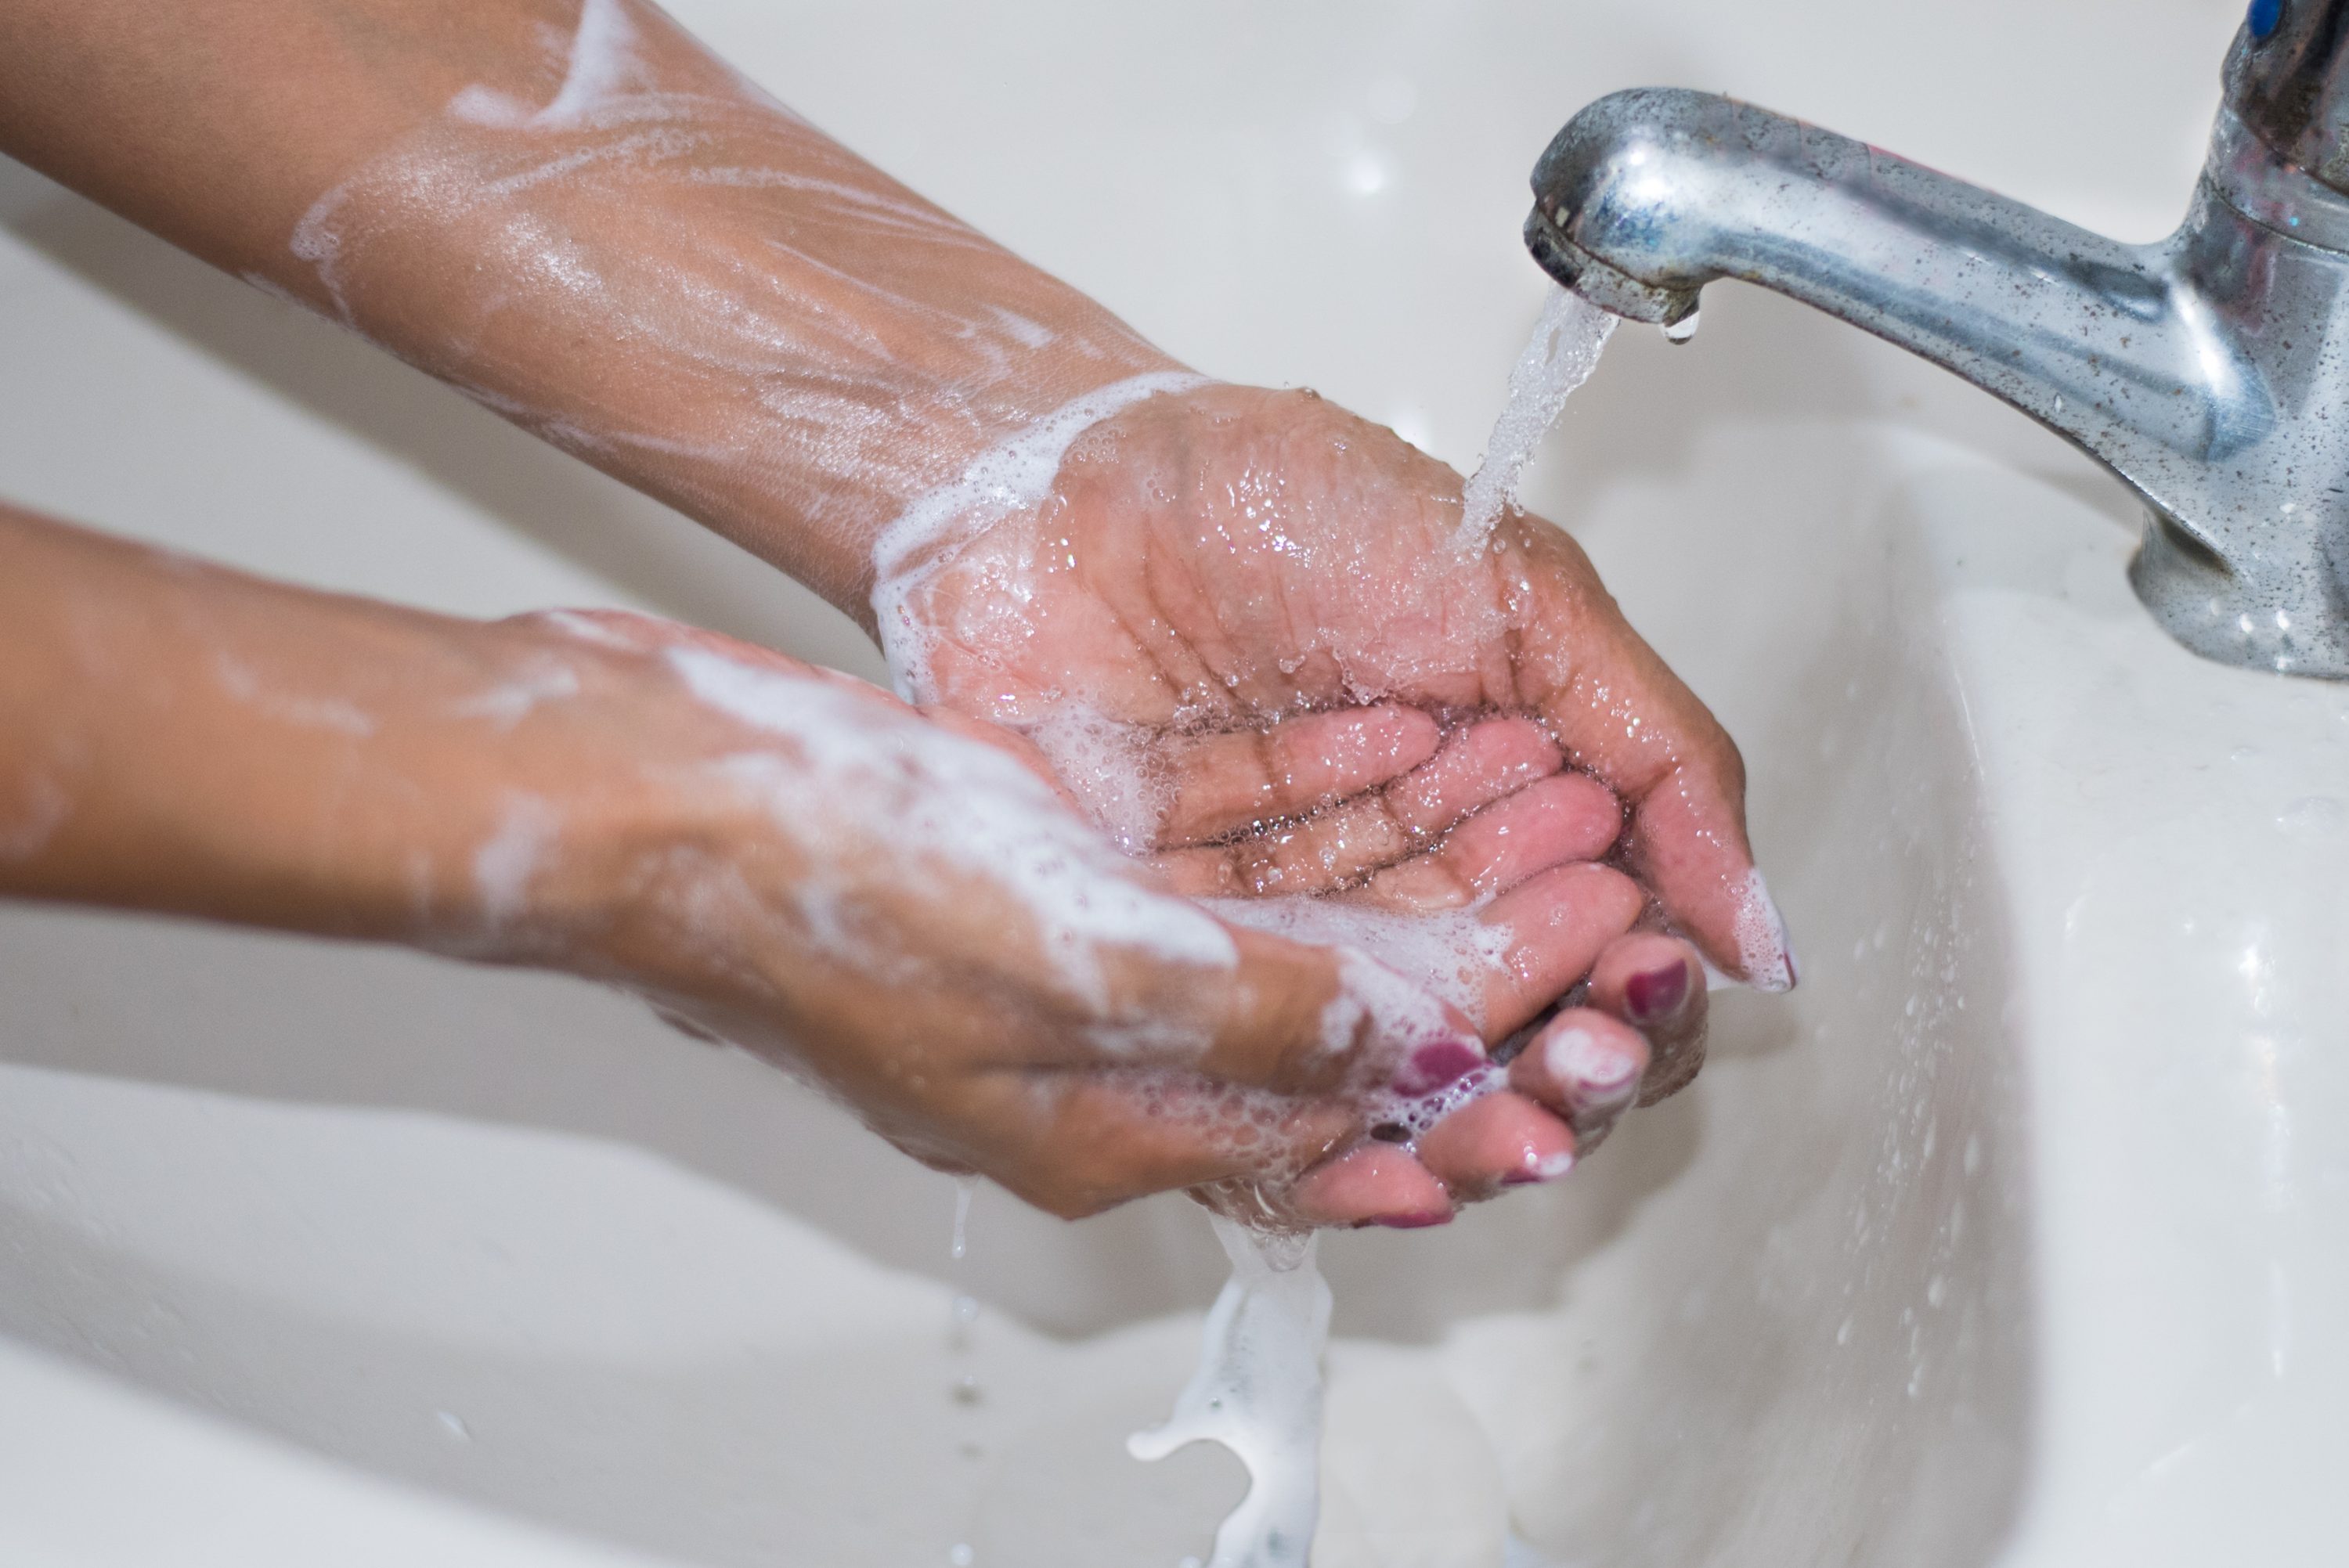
x=582, y=219
x=183, y=740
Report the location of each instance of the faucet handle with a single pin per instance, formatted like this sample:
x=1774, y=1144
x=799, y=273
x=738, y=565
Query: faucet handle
x=2287, y=79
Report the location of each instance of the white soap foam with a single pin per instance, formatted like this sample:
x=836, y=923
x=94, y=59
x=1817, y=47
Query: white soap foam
x=785, y=344
x=1258, y=1391
x=1560, y=356
x=1763, y=944
x=959, y=802
x=508, y=703
x=41, y=812
x=1111, y=770
x=1012, y=477
x=505, y=863
x=1448, y=955
x=238, y=680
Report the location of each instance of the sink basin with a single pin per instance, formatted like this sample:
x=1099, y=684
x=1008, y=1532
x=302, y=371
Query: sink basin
x=2013, y=1237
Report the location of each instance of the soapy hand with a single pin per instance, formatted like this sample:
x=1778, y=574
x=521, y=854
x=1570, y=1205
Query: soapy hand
x=1234, y=622
x=903, y=907
x=1238, y=625
x=908, y=908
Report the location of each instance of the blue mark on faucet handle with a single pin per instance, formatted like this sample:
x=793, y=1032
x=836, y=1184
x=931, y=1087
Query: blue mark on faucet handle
x=2266, y=16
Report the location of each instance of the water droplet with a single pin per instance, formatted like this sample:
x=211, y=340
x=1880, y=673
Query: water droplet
x=2311, y=817
x=454, y=1426
x=964, y=1187
x=959, y=1555
x=1683, y=330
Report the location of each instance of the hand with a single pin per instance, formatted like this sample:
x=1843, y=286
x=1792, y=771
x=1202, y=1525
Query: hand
x=1240, y=626
x=902, y=907
x=906, y=908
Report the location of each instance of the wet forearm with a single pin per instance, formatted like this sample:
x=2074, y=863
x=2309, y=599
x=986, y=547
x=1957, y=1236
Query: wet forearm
x=576, y=214
x=184, y=740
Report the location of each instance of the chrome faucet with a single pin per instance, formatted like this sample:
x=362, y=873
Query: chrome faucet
x=2209, y=372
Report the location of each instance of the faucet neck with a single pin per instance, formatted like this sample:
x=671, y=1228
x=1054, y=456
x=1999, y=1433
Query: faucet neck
x=2288, y=86
x=2247, y=173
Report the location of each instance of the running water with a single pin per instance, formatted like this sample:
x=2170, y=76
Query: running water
x=1564, y=351
x=964, y=1311
x=1258, y=1391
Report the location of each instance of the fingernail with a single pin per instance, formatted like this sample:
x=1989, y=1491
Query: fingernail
x=1579, y=1057
x=1432, y=1067
x=1657, y=994
x=1548, y=1168
x=1420, y=1220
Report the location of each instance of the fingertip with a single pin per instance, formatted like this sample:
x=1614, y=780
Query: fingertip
x=1582, y=1059
x=1648, y=979
x=1765, y=948
x=1558, y=922
x=1503, y=1139
x=1375, y=1184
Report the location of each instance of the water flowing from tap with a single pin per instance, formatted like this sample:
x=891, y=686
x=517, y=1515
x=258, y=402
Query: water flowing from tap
x=1560, y=356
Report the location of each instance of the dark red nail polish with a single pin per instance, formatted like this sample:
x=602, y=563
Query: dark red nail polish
x=1432, y=1067
x=1656, y=994
x=1418, y=1222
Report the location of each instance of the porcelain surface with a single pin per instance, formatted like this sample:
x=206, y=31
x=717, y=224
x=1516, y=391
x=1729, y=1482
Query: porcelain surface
x=2014, y=1236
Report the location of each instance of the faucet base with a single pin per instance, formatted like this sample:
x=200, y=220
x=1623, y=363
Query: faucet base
x=2289, y=622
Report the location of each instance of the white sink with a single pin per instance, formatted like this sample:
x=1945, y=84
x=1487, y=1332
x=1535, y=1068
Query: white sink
x=2018, y=1236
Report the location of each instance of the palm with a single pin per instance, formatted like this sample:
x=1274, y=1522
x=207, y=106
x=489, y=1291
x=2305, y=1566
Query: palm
x=1262, y=596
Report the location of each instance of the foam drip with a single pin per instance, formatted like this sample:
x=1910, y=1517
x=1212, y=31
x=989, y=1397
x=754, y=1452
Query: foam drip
x=1258, y=1391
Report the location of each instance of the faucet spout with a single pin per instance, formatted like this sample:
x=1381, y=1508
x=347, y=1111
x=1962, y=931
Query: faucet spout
x=2205, y=371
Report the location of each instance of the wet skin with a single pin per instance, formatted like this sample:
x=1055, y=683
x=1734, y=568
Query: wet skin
x=785, y=343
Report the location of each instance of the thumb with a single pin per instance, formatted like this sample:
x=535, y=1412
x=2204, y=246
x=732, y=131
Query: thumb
x=1300, y=1019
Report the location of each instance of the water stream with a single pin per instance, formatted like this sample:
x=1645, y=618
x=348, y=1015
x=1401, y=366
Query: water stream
x=1258, y=1387
x=1564, y=350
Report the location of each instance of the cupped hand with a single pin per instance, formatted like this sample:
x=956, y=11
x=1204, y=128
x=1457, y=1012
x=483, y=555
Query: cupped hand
x=907, y=908
x=1245, y=630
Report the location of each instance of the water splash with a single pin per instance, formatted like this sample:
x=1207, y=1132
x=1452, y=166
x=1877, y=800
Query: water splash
x=1258, y=1391
x=1560, y=356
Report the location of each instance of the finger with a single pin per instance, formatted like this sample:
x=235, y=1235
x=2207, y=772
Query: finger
x=1479, y=763
x=1375, y=1184
x=1620, y=713
x=1321, y=854
x=1301, y=1019
x=1586, y=1066
x=1564, y=817
x=1223, y=784
x=1503, y=1140
x=1557, y=926
x=1105, y=1138
x=1654, y=983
